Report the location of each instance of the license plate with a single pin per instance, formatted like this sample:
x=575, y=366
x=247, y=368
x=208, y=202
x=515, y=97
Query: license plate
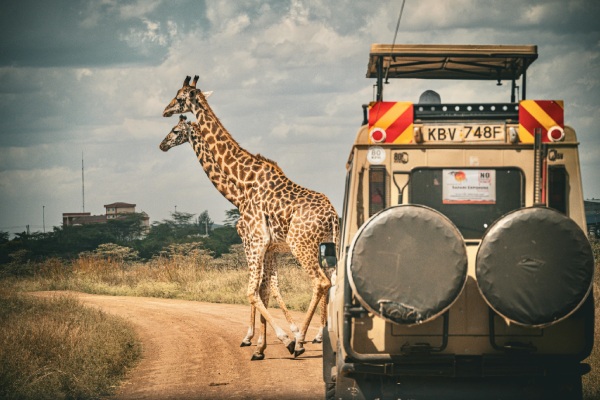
x=463, y=133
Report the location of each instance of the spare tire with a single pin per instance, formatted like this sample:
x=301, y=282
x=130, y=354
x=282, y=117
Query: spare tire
x=534, y=267
x=407, y=264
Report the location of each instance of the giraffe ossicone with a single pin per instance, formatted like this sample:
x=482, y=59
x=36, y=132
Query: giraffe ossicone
x=274, y=211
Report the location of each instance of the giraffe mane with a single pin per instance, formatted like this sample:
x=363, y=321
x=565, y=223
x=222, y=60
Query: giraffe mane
x=268, y=161
x=202, y=100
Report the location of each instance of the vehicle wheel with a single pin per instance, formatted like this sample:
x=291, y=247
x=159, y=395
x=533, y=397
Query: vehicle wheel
x=535, y=267
x=396, y=244
x=328, y=365
x=329, y=391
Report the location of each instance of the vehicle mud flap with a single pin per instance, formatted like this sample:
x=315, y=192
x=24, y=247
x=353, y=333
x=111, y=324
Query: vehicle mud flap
x=534, y=267
x=355, y=386
x=408, y=264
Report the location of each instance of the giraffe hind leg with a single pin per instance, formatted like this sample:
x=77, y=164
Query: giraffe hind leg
x=323, y=308
x=321, y=284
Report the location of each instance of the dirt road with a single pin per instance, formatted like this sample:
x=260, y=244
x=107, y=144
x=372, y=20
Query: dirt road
x=191, y=351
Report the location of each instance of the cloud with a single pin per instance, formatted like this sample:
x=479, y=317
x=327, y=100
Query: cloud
x=288, y=76
x=150, y=34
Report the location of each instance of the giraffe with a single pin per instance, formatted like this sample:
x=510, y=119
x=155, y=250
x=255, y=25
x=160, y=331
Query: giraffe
x=275, y=211
x=186, y=132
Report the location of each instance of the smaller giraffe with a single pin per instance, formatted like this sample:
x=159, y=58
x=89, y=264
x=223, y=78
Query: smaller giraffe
x=185, y=132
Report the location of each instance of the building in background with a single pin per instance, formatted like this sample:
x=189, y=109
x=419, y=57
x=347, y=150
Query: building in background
x=82, y=218
x=113, y=211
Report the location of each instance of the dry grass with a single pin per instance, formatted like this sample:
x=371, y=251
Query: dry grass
x=187, y=274
x=58, y=349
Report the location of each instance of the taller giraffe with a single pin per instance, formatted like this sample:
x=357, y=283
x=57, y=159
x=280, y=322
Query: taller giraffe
x=187, y=132
x=274, y=210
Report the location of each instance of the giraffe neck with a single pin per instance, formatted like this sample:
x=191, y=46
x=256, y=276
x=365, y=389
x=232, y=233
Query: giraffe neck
x=240, y=166
x=213, y=171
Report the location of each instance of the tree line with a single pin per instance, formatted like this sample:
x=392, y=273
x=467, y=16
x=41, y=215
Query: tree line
x=68, y=242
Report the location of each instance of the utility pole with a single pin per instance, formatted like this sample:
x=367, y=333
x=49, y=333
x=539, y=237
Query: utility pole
x=82, y=186
x=44, y=218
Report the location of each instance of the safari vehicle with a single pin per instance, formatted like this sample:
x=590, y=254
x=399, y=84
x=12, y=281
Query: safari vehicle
x=464, y=270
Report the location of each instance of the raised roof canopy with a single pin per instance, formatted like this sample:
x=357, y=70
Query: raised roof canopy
x=460, y=62
x=434, y=61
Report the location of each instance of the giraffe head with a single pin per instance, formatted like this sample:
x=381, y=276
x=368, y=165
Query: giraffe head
x=182, y=101
x=179, y=134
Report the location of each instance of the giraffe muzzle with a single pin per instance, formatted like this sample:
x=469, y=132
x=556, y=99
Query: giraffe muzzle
x=171, y=109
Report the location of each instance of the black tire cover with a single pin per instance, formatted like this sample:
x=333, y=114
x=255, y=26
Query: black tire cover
x=534, y=266
x=407, y=264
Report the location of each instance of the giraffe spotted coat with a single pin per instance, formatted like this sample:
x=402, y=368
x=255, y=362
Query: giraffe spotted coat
x=274, y=211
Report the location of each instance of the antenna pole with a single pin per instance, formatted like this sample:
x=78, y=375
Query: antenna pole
x=394, y=42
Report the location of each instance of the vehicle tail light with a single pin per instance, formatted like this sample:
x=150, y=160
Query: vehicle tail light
x=378, y=135
x=556, y=134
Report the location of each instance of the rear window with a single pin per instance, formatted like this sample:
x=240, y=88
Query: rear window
x=472, y=198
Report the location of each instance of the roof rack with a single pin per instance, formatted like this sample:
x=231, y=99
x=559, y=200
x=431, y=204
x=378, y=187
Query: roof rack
x=464, y=62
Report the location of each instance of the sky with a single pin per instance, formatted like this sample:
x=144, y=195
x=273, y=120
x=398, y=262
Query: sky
x=92, y=77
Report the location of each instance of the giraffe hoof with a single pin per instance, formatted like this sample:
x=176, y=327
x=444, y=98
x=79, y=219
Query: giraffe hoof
x=257, y=356
x=299, y=352
x=246, y=344
x=291, y=346
x=317, y=341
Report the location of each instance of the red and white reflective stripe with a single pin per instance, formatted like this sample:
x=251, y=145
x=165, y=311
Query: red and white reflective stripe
x=543, y=114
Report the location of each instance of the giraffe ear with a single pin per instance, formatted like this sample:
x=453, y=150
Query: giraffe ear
x=207, y=94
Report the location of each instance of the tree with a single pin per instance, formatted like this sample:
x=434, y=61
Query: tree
x=221, y=239
x=126, y=228
x=182, y=228
x=205, y=223
x=231, y=217
x=181, y=219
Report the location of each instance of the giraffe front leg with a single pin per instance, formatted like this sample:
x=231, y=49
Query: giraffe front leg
x=247, y=340
x=279, y=298
x=265, y=293
x=255, y=257
x=280, y=333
